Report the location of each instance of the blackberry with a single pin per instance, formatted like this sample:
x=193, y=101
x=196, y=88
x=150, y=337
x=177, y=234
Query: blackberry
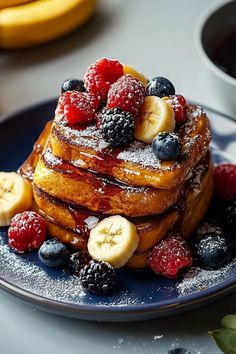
x=228, y=213
x=77, y=261
x=98, y=277
x=117, y=126
x=72, y=85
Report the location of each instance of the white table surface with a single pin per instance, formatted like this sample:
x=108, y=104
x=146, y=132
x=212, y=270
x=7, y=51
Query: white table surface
x=156, y=37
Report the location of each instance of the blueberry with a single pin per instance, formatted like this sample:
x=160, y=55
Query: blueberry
x=212, y=251
x=53, y=253
x=72, y=85
x=167, y=146
x=228, y=214
x=159, y=86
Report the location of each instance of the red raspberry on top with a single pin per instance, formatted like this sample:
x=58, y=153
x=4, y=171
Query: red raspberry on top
x=26, y=232
x=77, y=107
x=100, y=75
x=127, y=93
x=178, y=104
x=170, y=256
x=225, y=181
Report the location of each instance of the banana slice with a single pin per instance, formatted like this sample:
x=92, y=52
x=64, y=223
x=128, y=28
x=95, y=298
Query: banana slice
x=15, y=196
x=128, y=69
x=113, y=240
x=156, y=116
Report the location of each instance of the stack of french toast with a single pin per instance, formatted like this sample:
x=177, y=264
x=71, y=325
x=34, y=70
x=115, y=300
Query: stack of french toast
x=79, y=177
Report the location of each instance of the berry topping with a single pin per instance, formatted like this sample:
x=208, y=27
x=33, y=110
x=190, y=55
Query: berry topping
x=72, y=85
x=212, y=251
x=77, y=107
x=225, y=181
x=228, y=214
x=53, y=253
x=98, y=277
x=100, y=75
x=170, y=256
x=78, y=261
x=26, y=232
x=178, y=104
x=159, y=86
x=117, y=127
x=126, y=93
x=167, y=146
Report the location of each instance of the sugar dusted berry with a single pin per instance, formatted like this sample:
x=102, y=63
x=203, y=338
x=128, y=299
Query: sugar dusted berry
x=160, y=86
x=77, y=107
x=117, y=126
x=225, y=181
x=228, y=214
x=170, y=256
x=167, y=146
x=212, y=251
x=26, y=232
x=73, y=85
x=126, y=93
x=53, y=253
x=77, y=261
x=100, y=75
x=178, y=104
x=98, y=277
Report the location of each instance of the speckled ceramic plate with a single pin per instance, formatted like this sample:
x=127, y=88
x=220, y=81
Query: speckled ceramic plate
x=140, y=294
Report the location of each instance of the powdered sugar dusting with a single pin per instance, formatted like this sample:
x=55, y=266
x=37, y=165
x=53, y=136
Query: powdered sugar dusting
x=36, y=280
x=137, y=152
x=196, y=279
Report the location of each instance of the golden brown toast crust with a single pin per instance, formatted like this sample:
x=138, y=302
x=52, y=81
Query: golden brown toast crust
x=195, y=212
x=99, y=193
x=150, y=229
x=135, y=164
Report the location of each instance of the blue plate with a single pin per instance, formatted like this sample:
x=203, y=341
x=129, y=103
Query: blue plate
x=140, y=294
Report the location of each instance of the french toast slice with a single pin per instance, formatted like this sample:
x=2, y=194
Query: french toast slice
x=151, y=229
x=100, y=193
x=196, y=208
x=136, y=164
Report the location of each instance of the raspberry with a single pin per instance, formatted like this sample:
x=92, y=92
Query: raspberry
x=77, y=107
x=126, y=93
x=170, y=256
x=100, y=75
x=27, y=231
x=178, y=104
x=225, y=181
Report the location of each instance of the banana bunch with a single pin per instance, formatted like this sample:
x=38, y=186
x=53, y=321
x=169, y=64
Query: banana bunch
x=15, y=196
x=35, y=22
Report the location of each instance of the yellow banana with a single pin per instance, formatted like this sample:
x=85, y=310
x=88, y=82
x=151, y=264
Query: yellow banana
x=41, y=21
x=156, y=116
x=15, y=196
x=113, y=240
x=128, y=69
x=8, y=3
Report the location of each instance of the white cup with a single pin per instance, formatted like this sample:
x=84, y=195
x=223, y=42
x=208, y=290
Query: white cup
x=213, y=28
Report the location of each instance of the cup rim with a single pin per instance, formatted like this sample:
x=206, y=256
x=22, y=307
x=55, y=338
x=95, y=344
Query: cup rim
x=198, y=42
